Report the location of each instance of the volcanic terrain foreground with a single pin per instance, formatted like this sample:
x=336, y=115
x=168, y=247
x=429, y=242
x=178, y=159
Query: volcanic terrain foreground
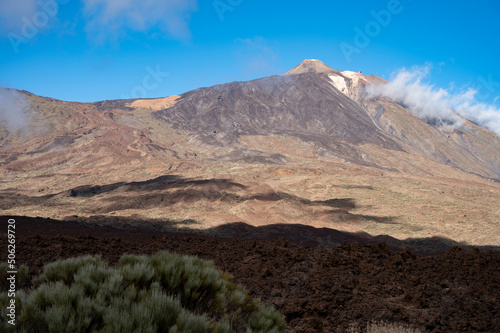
x=318, y=289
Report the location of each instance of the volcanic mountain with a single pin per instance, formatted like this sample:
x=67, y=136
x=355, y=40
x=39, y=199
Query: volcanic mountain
x=307, y=147
x=327, y=109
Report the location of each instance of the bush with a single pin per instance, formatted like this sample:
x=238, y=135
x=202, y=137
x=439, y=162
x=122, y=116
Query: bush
x=162, y=293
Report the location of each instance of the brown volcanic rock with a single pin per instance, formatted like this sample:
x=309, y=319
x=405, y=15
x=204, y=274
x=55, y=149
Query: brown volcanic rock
x=314, y=66
x=318, y=289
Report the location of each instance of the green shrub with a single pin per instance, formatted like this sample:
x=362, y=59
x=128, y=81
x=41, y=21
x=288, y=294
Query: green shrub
x=162, y=293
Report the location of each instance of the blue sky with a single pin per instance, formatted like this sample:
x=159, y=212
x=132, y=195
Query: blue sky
x=91, y=50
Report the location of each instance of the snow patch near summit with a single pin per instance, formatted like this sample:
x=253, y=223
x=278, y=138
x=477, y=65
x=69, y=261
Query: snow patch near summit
x=349, y=83
x=338, y=82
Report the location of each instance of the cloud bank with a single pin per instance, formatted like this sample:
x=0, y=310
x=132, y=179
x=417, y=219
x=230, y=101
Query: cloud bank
x=110, y=19
x=13, y=108
x=427, y=102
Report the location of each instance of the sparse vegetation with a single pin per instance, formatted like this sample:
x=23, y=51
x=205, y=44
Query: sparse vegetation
x=162, y=293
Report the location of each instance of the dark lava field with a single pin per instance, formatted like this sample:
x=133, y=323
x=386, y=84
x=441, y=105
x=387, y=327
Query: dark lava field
x=317, y=288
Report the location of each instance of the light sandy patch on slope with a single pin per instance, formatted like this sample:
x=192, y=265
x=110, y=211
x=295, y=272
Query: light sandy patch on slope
x=155, y=104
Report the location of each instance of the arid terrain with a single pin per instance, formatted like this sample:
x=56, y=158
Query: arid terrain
x=302, y=162
x=287, y=149
x=318, y=288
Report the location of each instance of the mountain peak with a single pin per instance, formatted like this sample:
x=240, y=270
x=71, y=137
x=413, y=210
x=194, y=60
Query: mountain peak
x=310, y=66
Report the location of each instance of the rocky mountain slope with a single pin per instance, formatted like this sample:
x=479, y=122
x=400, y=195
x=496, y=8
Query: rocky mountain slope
x=307, y=147
x=330, y=111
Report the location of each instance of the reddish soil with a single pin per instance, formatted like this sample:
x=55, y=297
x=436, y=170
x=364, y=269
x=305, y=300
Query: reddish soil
x=318, y=289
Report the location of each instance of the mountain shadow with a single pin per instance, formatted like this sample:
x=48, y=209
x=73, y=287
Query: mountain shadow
x=168, y=190
x=141, y=230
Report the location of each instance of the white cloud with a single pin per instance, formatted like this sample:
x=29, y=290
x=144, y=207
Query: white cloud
x=13, y=108
x=426, y=101
x=12, y=13
x=109, y=19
